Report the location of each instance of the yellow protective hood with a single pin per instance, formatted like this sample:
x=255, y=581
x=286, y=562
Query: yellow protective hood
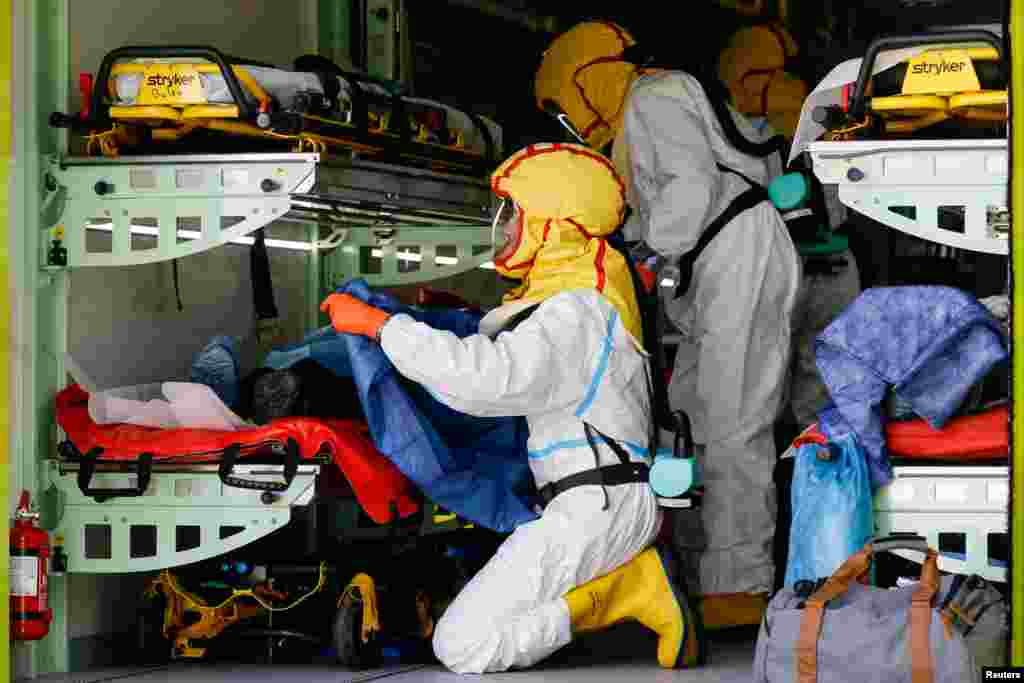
x=570, y=198
x=583, y=73
x=752, y=67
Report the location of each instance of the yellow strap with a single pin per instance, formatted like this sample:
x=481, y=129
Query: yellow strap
x=210, y=111
x=145, y=112
x=175, y=133
x=981, y=114
x=983, y=98
x=362, y=589
x=908, y=104
x=915, y=124
x=171, y=582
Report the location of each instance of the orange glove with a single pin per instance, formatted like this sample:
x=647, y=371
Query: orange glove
x=646, y=276
x=349, y=314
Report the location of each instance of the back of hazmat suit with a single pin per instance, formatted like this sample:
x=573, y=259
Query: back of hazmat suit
x=753, y=68
x=692, y=193
x=576, y=368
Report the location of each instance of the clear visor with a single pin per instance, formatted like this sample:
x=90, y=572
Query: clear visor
x=505, y=225
x=553, y=110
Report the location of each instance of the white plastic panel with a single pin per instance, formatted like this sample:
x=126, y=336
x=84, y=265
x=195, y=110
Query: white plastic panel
x=966, y=178
x=970, y=502
x=99, y=535
x=221, y=197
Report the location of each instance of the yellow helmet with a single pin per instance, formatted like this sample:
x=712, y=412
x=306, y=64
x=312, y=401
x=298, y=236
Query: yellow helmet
x=583, y=74
x=570, y=198
x=752, y=66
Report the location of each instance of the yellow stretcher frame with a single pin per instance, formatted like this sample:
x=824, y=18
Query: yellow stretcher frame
x=905, y=114
x=213, y=619
x=909, y=113
x=173, y=121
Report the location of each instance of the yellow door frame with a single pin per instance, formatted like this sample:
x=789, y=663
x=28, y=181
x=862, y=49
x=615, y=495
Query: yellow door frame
x=6, y=356
x=1016, y=24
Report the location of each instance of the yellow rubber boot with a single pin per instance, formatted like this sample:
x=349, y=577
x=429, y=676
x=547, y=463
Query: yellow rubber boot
x=725, y=610
x=644, y=589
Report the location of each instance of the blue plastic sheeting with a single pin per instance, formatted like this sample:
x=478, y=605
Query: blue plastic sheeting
x=216, y=366
x=930, y=344
x=474, y=467
x=833, y=512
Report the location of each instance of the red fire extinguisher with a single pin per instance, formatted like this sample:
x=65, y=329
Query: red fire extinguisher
x=30, y=550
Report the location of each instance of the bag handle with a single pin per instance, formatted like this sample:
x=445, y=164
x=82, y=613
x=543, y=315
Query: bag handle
x=856, y=566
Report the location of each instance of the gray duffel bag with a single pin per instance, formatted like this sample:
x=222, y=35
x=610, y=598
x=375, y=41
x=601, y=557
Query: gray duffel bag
x=844, y=631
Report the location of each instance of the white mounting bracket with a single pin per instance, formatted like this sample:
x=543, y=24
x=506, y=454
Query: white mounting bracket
x=905, y=184
x=187, y=203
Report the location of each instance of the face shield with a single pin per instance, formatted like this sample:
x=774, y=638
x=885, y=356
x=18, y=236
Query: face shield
x=553, y=110
x=506, y=227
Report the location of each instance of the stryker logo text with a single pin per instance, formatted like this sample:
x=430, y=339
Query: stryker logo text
x=173, y=81
x=942, y=67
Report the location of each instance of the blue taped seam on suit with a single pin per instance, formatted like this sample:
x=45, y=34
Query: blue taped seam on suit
x=583, y=443
x=602, y=367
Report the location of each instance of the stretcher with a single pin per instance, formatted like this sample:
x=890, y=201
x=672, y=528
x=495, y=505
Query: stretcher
x=953, y=91
x=949, y=485
x=195, y=99
x=914, y=136
x=379, y=487
x=978, y=438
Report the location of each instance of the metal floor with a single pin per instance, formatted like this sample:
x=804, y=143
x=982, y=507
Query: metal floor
x=629, y=657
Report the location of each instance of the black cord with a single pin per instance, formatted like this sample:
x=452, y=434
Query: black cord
x=177, y=285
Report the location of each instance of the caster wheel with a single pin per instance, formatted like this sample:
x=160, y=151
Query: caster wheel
x=352, y=652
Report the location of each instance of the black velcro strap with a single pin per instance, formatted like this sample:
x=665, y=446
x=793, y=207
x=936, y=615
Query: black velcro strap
x=609, y=475
x=753, y=196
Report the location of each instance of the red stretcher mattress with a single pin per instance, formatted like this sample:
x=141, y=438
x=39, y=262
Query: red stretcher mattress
x=981, y=437
x=380, y=488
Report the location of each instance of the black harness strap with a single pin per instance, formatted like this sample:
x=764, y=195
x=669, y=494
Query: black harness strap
x=750, y=198
x=625, y=472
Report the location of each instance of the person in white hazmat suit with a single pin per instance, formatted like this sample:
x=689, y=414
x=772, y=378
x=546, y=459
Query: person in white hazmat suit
x=576, y=368
x=699, y=202
x=753, y=67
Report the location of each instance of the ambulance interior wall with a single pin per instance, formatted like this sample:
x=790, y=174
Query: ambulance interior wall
x=124, y=326
x=123, y=323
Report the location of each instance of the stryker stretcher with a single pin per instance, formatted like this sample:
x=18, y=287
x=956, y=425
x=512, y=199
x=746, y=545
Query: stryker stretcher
x=185, y=98
x=951, y=91
x=950, y=485
x=380, y=488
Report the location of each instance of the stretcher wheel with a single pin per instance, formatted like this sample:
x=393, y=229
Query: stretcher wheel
x=352, y=652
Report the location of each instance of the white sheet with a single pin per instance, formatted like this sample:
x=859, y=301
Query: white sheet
x=166, y=405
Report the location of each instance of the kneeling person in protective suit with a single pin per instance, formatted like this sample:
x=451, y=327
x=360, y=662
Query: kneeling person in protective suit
x=576, y=368
x=698, y=199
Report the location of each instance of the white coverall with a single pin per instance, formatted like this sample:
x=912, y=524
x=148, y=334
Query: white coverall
x=571, y=360
x=732, y=367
